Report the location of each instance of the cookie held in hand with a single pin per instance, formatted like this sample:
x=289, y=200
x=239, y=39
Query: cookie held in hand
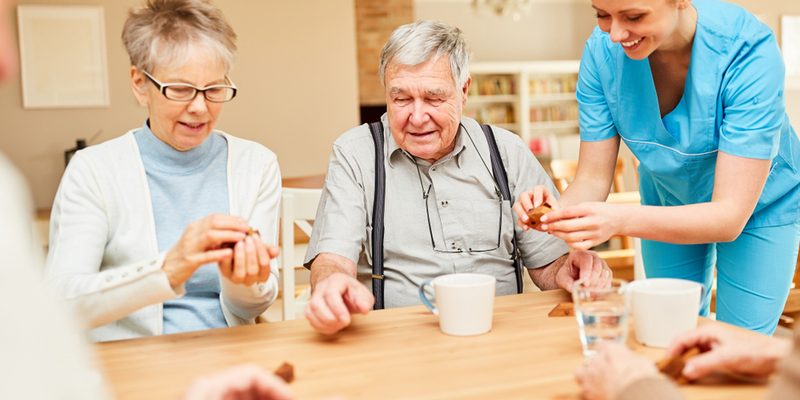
x=535, y=216
x=673, y=367
x=230, y=245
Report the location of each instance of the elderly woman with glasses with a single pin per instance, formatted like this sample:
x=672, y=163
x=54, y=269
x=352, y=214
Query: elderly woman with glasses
x=167, y=228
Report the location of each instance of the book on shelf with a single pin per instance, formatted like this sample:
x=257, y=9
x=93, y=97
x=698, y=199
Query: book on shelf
x=554, y=113
x=492, y=114
x=493, y=85
x=553, y=85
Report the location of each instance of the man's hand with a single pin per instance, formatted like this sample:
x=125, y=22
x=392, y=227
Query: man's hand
x=582, y=265
x=332, y=301
x=539, y=195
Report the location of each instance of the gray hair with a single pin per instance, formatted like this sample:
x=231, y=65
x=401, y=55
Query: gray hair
x=163, y=31
x=418, y=42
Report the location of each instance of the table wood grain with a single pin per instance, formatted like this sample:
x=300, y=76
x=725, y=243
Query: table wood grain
x=397, y=353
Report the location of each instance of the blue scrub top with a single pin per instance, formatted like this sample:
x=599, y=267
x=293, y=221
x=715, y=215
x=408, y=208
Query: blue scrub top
x=733, y=102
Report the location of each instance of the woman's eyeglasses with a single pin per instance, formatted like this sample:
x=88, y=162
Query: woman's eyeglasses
x=186, y=92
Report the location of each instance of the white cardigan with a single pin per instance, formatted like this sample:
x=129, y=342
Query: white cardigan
x=103, y=253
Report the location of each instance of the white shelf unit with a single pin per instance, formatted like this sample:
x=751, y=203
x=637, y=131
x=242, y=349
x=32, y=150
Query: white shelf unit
x=534, y=99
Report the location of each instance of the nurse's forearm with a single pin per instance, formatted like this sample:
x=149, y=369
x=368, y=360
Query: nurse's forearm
x=738, y=183
x=581, y=191
x=595, y=172
x=690, y=224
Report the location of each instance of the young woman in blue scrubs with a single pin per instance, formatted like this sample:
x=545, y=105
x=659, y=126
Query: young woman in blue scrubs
x=695, y=90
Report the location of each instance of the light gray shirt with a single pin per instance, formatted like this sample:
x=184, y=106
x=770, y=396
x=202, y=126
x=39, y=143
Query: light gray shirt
x=463, y=209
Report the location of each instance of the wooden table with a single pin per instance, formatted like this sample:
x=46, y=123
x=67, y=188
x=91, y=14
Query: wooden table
x=398, y=353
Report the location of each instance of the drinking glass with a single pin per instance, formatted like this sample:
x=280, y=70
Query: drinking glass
x=602, y=312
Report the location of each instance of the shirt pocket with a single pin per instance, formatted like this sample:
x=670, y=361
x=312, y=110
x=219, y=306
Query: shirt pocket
x=473, y=224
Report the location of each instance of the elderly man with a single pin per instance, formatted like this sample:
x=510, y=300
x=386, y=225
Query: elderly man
x=443, y=210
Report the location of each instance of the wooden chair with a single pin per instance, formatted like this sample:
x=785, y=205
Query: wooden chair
x=620, y=260
x=298, y=208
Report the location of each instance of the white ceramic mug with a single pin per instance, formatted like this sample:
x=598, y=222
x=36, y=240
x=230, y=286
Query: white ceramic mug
x=464, y=302
x=663, y=308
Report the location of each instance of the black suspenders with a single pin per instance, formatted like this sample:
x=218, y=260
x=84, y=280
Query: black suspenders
x=498, y=170
x=377, y=215
x=500, y=177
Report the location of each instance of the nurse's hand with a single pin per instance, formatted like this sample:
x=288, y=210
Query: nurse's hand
x=585, y=225
x=531, y=199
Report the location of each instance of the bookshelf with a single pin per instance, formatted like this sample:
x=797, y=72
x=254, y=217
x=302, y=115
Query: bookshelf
x=534, y=99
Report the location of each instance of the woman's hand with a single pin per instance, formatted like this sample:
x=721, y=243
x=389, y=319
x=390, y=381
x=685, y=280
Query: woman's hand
x=729, y=350
x=250, y=261
x=611, y=370
x=200, y=244
x=531, y=199
x=585, y=225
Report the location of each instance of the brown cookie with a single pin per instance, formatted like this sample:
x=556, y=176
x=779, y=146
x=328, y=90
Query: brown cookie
x=535, y=215
x=230, y=245
x=285, y=372
x=673, y=367
x=562, y=310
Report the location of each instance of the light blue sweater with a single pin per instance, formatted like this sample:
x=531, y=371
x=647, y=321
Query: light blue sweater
x=186, y=186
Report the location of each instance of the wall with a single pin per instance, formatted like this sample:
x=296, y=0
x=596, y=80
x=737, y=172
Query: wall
x=552, y=30
x=770, y=12
x=296, y=71
x=375, y=21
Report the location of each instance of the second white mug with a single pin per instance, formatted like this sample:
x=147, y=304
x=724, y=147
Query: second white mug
x=663, y=308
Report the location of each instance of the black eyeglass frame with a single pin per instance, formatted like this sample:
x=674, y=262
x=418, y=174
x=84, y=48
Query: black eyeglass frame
x=162, y=87
x=426, y=194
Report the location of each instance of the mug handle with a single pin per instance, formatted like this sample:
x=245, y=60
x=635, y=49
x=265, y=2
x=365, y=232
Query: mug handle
x=424, y=297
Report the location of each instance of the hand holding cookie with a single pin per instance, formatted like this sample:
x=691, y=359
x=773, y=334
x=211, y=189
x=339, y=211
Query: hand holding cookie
x=532, y=204
x=250, y=261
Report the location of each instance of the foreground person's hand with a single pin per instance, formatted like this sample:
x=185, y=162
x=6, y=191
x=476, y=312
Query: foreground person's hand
x=241, y=382
x=611, y=370
x=729, y=350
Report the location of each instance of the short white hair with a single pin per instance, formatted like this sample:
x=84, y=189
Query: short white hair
x=418, y=42
x=163, y=33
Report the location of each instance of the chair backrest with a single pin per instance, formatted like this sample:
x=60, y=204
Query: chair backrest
x=564, y=171
x=307, y=182
x=623, y=260
x=298, y=208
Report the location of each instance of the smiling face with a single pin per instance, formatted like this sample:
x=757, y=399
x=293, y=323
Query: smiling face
x=424, y=106
x=182, y=125
x=644, y=26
